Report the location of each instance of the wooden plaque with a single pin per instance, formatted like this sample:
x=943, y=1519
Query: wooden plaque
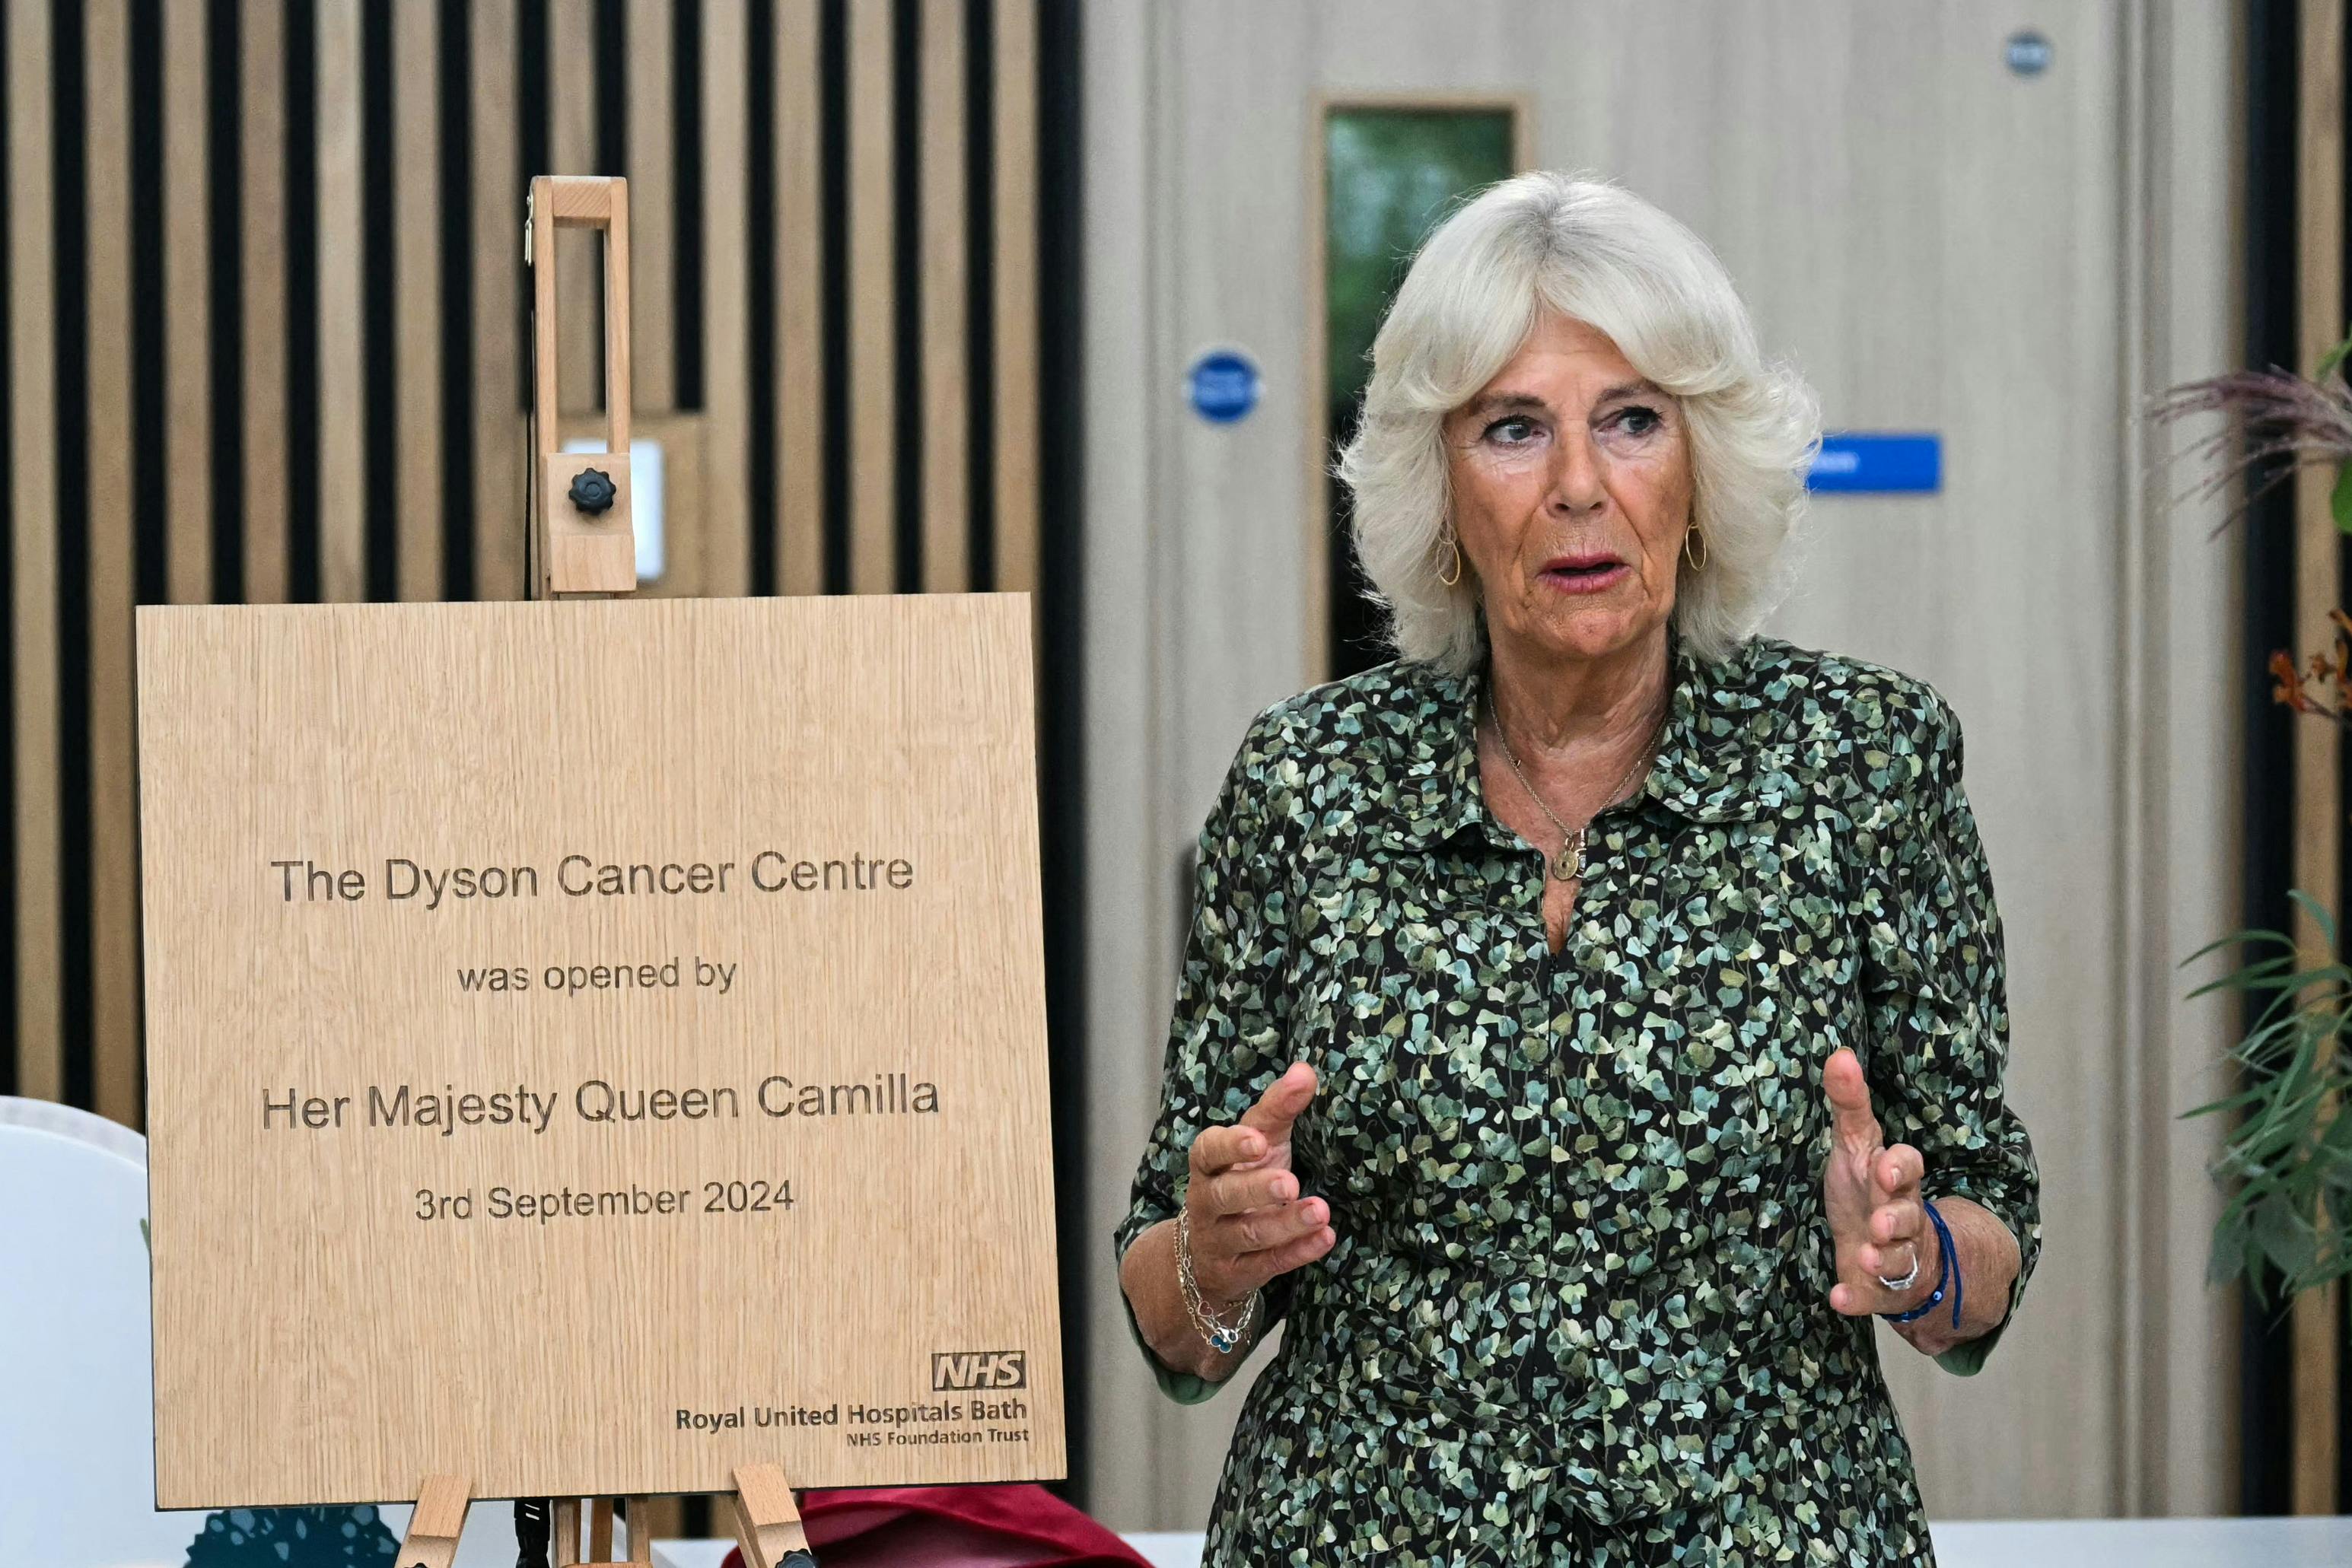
x=594, y=1047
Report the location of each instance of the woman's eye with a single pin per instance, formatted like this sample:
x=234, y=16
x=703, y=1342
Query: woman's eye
x=1511, y=432
x=1639, y=418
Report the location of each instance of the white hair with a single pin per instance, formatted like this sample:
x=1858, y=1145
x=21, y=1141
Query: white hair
x=1598, y=253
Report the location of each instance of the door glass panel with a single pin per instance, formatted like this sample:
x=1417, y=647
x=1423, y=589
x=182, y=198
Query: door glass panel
x=1389, y=174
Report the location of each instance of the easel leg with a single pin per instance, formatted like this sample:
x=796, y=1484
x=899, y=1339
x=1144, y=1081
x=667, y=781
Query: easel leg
x=567, y=1531
x=432, y=1529
x=767, y=1522
x=596, y=1515
x=600, y=1530
x=641, y=1531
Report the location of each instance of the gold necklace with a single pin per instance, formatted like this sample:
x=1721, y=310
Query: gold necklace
x=1568, y=863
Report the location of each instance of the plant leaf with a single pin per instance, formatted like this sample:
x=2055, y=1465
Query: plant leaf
x=2316, y=910
x=2289, y=1242
x=2227, y=1260
x=2250, y=935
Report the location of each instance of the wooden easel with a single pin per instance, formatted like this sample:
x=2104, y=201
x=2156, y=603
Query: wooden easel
x=580, y=543
x=767, y=1525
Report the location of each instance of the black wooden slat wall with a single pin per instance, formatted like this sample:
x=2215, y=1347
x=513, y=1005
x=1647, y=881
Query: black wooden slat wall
x=261, y=319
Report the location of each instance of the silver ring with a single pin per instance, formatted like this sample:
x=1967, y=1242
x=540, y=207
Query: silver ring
x=1908, y=1280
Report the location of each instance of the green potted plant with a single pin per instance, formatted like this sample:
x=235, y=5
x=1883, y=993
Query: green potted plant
x=2287, y=1163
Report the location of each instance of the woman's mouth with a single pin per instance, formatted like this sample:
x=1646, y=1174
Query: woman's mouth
x=1583, y=573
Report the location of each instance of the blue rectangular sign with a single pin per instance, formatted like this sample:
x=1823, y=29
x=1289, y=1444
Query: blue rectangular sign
x=1877, y=461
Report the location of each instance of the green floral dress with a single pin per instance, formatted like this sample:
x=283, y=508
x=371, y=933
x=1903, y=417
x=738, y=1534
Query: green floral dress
x=1578, y=1312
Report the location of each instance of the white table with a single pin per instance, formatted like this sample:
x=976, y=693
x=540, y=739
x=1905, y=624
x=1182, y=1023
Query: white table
x=2038, y=1543
x=2034, y=1543
x=2042, y=1543
x=2146, y=1543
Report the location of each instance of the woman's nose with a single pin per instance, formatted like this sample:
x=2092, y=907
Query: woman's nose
x=1576, y=484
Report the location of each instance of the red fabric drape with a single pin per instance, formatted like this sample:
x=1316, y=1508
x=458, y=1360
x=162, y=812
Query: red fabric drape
x=991, y=1526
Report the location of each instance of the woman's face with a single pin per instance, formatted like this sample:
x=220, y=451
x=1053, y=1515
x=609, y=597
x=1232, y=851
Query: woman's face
x=1572, y=488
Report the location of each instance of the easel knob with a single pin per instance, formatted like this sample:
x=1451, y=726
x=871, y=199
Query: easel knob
x=593, y=491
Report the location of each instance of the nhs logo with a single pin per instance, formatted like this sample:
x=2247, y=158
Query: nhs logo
x=967, y=1369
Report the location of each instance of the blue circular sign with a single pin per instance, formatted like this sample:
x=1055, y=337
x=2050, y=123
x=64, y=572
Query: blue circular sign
x=2028, y=52
x=1222, y=385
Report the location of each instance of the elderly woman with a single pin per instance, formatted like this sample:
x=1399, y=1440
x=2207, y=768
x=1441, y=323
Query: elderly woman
x=1594, y=1020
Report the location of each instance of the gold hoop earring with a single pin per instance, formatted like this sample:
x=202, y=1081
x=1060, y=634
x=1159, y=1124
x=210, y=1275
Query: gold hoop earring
x=1454, y=544
x=1698, y=563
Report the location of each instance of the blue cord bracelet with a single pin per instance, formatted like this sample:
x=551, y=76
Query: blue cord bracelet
x=1948, y=1265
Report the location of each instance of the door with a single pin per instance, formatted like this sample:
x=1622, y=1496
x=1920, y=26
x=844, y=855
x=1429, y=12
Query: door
x=1941, y=237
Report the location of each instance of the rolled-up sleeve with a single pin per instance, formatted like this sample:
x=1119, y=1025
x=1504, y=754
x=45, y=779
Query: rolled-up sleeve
x=1228, y=1039
x=1934, y=987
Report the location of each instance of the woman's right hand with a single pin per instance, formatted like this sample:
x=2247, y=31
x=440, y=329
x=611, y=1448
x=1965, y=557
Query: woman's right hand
x=1249, y=1223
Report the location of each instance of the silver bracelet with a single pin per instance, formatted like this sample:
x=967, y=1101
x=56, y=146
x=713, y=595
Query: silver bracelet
x=1221, y=1337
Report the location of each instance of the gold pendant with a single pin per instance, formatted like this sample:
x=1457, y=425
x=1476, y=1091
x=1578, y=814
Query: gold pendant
x=1569, y=861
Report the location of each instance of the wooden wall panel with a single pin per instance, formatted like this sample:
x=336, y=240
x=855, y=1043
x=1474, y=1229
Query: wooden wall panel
x=261, y=132
x=873, y=303
x=187, y=355
x=797, y=513
x=946, y=391
x=724, y=550
x=33, y=561
x=498, y=348
x=653, y=203
x=1015, y=386
x=343, y=346
x=116, y=1089
x=2318, y=589
x=416, y=300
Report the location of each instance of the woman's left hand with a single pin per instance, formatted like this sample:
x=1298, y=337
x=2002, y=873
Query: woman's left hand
x=1871, y=1194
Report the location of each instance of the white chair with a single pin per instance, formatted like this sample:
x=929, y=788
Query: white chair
x=77, y=1389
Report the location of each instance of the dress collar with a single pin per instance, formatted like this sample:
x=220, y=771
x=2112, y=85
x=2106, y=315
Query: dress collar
x=1705, y=750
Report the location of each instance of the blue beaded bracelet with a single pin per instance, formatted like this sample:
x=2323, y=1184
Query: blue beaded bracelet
x=1948, y=1265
